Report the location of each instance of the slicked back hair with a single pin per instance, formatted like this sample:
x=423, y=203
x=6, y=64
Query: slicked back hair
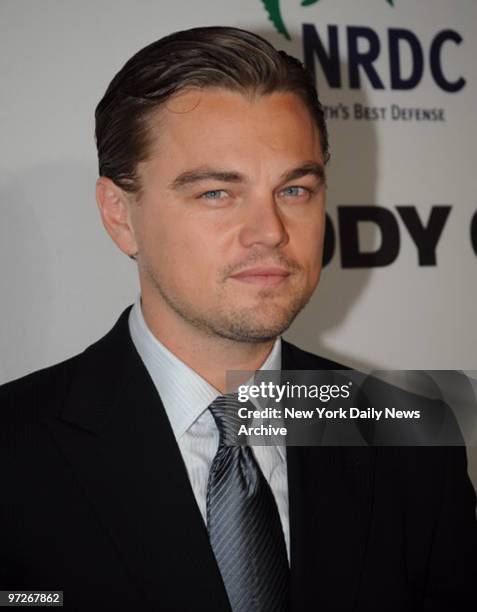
x=207, y=57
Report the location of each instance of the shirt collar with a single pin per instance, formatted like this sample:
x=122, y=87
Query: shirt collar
x=184, y=393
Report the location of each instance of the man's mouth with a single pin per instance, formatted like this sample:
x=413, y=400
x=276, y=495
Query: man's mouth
x=262, y=275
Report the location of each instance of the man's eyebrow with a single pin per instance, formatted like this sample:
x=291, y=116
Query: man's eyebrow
x=196, y=175
x=203, y=174
x=313, y=168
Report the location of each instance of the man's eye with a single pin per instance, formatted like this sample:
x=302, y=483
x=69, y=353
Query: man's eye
x=214, y=194
x=295, y=192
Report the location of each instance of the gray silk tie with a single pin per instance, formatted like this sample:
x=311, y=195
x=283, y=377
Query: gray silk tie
x=243, y=521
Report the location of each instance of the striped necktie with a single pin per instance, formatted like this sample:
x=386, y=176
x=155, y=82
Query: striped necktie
x=243, y=521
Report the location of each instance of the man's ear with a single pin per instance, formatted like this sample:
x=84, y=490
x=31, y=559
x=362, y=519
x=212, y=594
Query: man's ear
x=114, y=206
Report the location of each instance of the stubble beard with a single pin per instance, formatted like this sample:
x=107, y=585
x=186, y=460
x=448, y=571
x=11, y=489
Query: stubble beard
x=240, y=324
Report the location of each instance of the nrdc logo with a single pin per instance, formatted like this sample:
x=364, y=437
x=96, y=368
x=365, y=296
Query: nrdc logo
x=273, y=9
x=360, y=47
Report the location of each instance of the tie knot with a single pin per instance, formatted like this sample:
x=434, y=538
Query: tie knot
x=225, y=409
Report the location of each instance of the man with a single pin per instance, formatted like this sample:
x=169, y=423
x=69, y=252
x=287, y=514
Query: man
x=118, y=485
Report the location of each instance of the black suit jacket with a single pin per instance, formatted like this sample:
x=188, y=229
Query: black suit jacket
x=96, y=501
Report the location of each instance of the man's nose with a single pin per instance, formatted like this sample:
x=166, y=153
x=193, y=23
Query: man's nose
x=263, y=223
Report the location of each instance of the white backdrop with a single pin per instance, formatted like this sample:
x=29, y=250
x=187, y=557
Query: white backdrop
x=63, y=281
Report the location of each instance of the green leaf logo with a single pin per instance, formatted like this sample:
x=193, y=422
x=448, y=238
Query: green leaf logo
x=274, y=14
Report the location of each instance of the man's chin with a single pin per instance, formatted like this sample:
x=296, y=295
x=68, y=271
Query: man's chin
x=262, y=322
x=253, y=329
x=249, y=336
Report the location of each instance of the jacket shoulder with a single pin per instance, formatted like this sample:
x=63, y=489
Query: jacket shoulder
x=295, y=358
x=42, y=393
x=36, y=394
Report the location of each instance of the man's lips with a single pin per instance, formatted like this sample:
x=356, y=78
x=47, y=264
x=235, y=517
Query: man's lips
x=262, y=275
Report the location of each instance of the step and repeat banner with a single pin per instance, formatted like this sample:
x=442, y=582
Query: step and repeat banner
x=397, y=79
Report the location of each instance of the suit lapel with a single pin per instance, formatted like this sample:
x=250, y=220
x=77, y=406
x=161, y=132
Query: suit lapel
x=330, y=503
x=115, y=434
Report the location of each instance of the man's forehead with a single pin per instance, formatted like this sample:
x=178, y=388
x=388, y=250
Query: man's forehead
x=191, y=102
x=185, y=100
x=230, y=131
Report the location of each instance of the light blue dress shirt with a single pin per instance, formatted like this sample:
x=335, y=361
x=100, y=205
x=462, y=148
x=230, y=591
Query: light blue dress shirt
x=186, y=397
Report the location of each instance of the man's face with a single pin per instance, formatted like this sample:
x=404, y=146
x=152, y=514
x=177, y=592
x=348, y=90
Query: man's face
x=230, y=224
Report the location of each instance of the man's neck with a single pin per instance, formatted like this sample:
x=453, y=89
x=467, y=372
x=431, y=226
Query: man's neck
x=211, y=356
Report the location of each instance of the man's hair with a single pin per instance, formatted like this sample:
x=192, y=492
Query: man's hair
x=207, y=57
